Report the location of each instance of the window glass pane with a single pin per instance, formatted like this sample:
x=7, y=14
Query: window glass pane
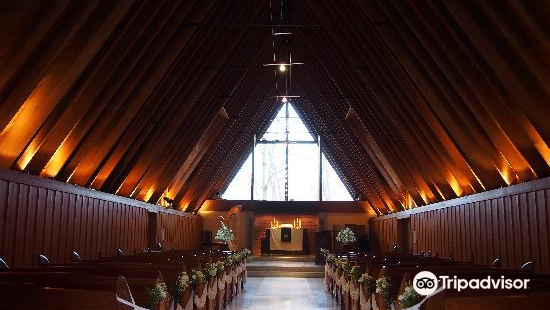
x=277, y=130
x=303, y=166
x=303, y=172
x=298, y=131
x=269, y=172
x=239, y=188
x=296, y=127
x=333, y=187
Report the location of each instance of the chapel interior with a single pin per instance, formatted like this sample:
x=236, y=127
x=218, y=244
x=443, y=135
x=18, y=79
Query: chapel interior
x=274, y=154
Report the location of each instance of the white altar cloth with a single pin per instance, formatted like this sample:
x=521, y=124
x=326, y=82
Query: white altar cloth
x=295, y=244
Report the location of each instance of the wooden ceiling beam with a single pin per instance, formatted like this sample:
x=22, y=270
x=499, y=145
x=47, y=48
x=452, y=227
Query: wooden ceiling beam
x=357, y=43
x=162, y=104
x=516, y=86
x=25, y=47
x=140, y=77
x=481, y=154
x=67, y=76
x=436, y=153
x=24, y=105
x=333, y=61
x=211, y=135
x=469, y=81
x=204, y=111
x=95, y=78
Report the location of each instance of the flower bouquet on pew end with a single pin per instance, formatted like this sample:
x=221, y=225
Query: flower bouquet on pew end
x=355, y=273
x=159, y=296
x=368, y=281
x=409, y=297
x=383, y=287
x=197, y=277
x=182, y=283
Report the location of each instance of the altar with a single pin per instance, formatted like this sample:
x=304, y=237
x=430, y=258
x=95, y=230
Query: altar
x=285, y=239
x=291, y=240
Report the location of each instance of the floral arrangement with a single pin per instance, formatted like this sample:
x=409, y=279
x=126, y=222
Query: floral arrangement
x=158, y=294
x=210, y=271
x=344, y=264
x=369, y=281
x=219, y=266
x=383, y=288
x=182, y=282
x=355, y=272
x=346, y=236
x=230, y=260
x=409, y=298
x=225, y=234
x=197, y=277
x=240, y=255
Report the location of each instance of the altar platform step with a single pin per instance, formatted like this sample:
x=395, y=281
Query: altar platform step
x=284, y=258
x=285, y=274
x=284, y=268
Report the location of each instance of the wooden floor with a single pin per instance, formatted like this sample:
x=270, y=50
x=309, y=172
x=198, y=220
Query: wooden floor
x=284, y=293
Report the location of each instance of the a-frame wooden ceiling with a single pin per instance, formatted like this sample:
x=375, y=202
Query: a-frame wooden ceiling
x=416, y=101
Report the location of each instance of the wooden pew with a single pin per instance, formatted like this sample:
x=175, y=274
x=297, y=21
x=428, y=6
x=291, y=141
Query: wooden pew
x=397, y=267
x=90, y=284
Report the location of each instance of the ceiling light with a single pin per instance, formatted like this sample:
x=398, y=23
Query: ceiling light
x=284, y=100
x=283, y=64
x=282, y=68
x=282, y=33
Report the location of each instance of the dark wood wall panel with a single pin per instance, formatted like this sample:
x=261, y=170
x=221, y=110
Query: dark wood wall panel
x=175, y=227
x=383, y=234
x=511, y=223
x=53, y=218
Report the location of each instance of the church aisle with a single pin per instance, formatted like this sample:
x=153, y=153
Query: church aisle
x=284, y=293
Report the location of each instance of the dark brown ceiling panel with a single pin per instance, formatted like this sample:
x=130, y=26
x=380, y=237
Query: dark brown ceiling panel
x=415, y=101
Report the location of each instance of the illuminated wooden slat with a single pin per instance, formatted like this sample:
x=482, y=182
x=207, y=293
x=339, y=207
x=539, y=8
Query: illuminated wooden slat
x=62, y=119
x=43, y=19
x=21, y=123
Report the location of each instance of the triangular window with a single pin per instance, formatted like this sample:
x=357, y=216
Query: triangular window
x=286, y=165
